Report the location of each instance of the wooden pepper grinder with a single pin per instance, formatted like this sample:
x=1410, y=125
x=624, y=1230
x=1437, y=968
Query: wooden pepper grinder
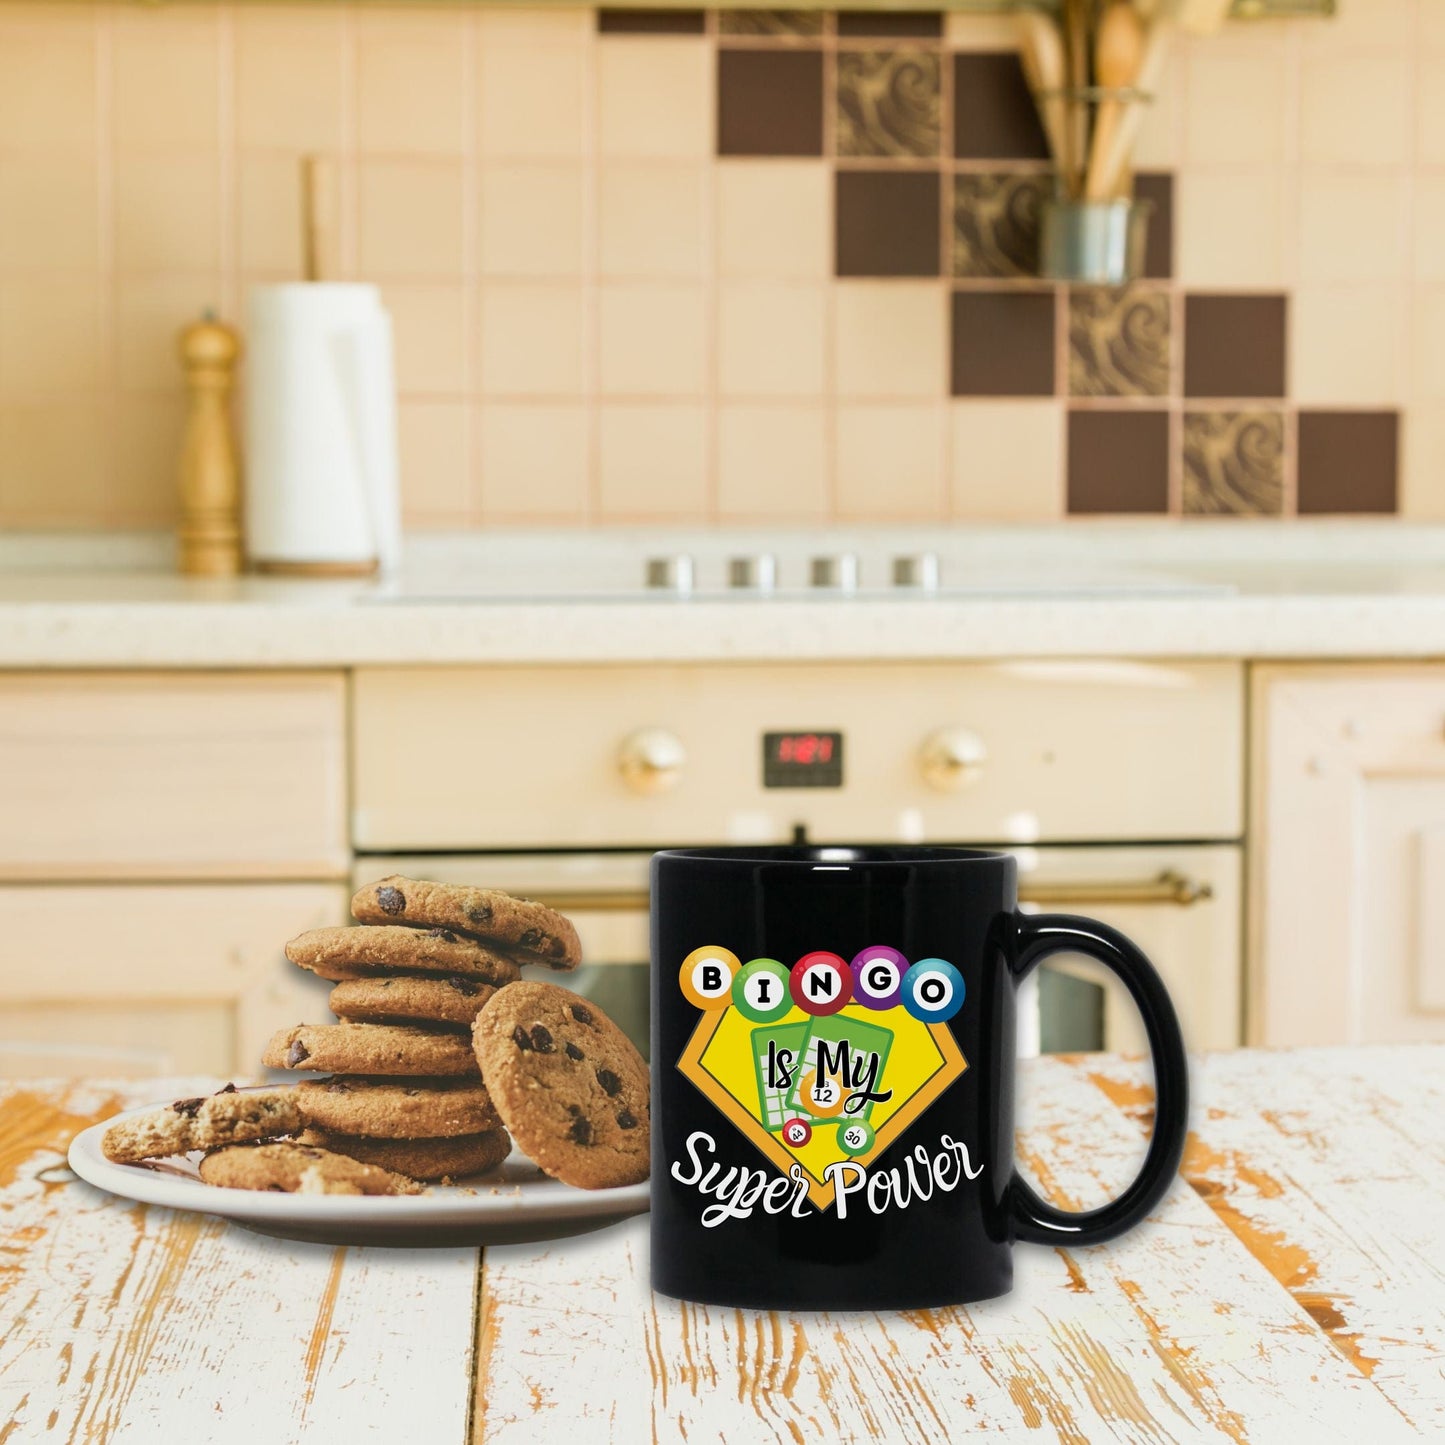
x=210, y=527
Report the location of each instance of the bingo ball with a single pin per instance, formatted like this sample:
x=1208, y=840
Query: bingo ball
x=822, y=983
x=855, y=1137
x=760, y=991
x=797, y=1132
x=706, y=977
x=878, y=977
x=933, y=990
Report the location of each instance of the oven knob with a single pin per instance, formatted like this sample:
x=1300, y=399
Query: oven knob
x=651, y=760
x=952, y=758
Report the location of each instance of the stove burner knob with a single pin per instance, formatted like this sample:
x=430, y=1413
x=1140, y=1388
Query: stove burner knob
x=651, y=760
x=916, y=569
x=952, y=758
x=670, y=574
x=839, y=573
x=753, y=574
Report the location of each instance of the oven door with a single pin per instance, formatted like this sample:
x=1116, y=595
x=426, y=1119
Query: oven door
x=1180, y=903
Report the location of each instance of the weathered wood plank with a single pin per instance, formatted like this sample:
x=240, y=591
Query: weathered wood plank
x=1174, y=1333
x=121, y=1322
x=1329, y=1166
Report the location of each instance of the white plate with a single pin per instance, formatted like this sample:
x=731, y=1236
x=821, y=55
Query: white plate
x=514, y=1204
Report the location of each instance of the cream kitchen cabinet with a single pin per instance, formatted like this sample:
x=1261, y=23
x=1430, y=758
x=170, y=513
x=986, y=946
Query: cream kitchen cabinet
x=1347, y=886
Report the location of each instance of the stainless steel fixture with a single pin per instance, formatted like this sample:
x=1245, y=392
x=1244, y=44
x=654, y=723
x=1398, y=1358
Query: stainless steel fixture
x=671, y=574
x=916, y=569
x=757, y=572
x=836, y=571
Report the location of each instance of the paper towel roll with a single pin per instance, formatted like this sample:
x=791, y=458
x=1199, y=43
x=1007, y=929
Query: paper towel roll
x=321, y=466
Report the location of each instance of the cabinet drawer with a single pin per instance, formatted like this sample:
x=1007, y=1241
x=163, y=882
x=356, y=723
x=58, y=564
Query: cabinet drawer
x=180, y=776
x=189, y=976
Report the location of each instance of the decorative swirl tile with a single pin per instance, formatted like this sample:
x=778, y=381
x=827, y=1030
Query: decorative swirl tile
x=1119, y=342
x=996, y=224
x=770, y=22
x=888, y=103
x=1233, y=463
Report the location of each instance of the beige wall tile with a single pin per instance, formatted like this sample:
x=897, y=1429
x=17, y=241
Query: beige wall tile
x=49, y=214
x=1430, y=109
x=413, y=79
x=1422, y=463
x=774, y=219
x=1431, y=25
x=890, y=462
x=532, y=219
x=651, y=219
x=533, y=339
x=890, y=339
x=1348, y=346
x=535, y=462
x=144, y=491
x=52, y=336
x=150, y=312
x=1354, y=110
x=1428, y=243
x=652, y=462
x=654, y=97
x=1007, y=460
x=434, y=446
x=1229, y=228
x=290, y=68
x=651, y=340
x=411, y=219
x=532, y=25
x=1234, y=107
x=1359, y=25
x=532, y=102
x=48, y=81
x=1160, y=142
x=771, y=338
x=1352, y=227
x=167, y=213
x=964, y=31
x=165, y=77
x=772, y=464
x=52, y=463
x=432, y=337
x=1427, y=326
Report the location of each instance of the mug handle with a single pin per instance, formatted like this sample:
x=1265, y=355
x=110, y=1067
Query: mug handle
x=1035, y=1220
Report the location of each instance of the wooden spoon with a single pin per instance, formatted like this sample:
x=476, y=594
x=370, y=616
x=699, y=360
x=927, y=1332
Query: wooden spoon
x=1118, y=54
x=1042, y=55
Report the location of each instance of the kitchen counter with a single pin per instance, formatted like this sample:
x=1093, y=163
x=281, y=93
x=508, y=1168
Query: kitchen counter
x=1288, y=1288
x=1149, y=590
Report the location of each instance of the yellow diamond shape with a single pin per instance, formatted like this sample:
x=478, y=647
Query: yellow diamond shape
x=922, y=1060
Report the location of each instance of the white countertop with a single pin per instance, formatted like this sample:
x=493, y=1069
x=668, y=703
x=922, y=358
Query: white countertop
x=1228, y=590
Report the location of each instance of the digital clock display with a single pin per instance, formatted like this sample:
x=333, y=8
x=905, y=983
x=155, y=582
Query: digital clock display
x=803, y=760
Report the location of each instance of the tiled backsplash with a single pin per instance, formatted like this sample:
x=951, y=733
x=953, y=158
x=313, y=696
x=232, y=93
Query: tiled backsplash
x=741, y=266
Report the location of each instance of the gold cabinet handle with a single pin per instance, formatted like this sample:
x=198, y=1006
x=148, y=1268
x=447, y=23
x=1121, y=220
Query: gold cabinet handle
x=1170, y=887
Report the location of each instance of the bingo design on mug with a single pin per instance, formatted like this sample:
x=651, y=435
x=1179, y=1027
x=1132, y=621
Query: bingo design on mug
x=826, y=1060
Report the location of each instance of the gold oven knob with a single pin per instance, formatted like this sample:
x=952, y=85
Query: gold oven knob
x=952, y=758
x=651, y=760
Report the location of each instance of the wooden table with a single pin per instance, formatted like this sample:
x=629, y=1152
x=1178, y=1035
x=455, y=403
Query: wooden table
x=1290, y=1288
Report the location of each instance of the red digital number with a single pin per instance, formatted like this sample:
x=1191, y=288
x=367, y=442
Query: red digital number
x=805, y=749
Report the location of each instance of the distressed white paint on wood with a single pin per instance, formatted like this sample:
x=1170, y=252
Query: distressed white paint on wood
x=1330, y=1166
x=1173, y=1333
x=125, y=1323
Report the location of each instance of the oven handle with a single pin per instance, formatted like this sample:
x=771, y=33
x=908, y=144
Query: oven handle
x=1169, y=888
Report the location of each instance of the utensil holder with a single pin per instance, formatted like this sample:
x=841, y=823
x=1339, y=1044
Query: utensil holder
x=1097, y=243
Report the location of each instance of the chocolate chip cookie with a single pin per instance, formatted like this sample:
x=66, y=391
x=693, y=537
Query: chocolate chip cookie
x=348, y=1048
x=453, y=1002
x=362, y=952
x=453, y=1158
x=568, y=1084
x=299, y=1168
x=397, y=1108
x=532, y=931
x=233, y=1116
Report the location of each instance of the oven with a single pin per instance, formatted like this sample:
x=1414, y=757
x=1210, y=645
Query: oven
x=1117, y=786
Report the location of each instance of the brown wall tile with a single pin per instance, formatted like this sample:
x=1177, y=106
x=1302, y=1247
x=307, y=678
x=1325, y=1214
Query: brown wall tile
x=889, y=103
x=1119, y=341
x=781, y=23
x=650, y=22
x=1118, y=461
x=993, y=113
x=1348, y=461
x=1233, y=463
x=1157, y=187
x=996, y=224
x=770, y=103
x=1234, y=345
x=1003, y=343
x=927, y=23
x=887, y=223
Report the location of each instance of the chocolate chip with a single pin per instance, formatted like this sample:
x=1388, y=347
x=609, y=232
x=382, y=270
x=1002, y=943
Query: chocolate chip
x=465, y=986
x=337, y=1086
x=582, y=1015
x=519, y=1037
x=479, y=913
x=391, y=901
x=276, y=1188
x=532, y=938
x=253, y=1116
x=573, y=1052
x=611, y=1084
x=542, y=1040
x=626, y=1120
x=229, y=1089
x=574, y=1109
x=580, y=1132
x=445, y=933
x=387, y=982
x=188, y=1107
x=297, y=1053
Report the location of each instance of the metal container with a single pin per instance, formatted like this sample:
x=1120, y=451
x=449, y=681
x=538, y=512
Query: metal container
x=1099, y=243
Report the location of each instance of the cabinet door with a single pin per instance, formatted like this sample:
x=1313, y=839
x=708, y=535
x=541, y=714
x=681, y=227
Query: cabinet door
x=154, y=979
x=1347, y=895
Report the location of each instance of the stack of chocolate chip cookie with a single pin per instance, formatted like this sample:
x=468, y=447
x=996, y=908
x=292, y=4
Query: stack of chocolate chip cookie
x=411, y=976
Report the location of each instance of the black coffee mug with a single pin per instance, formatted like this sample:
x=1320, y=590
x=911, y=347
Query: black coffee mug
x=833, y=1076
